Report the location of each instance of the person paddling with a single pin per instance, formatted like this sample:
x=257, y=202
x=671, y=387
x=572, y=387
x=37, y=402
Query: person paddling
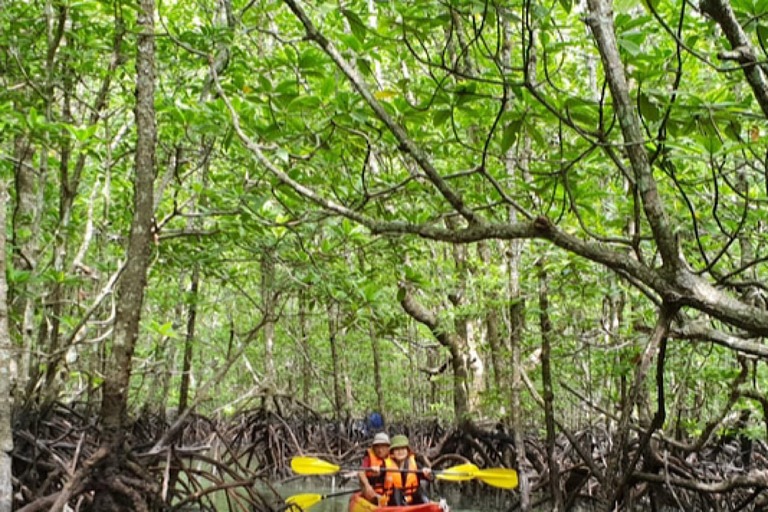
x=373, y=479
x=403, y=487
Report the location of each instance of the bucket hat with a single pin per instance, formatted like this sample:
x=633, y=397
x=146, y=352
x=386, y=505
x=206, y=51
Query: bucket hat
x=399, y=441
x=380, y=438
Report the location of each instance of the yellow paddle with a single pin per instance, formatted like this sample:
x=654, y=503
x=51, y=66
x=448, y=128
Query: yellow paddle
x=502, y=478
x=304, y=501
x=497, y=477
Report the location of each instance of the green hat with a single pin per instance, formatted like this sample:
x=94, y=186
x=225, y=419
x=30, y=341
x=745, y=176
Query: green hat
x=399, y=442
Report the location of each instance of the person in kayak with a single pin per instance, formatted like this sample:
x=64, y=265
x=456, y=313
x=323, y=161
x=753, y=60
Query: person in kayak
x=373, y=479
x=403, y=478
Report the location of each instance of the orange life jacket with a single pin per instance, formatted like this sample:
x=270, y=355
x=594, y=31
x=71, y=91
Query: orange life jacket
x=394, y=480
x=376, y=481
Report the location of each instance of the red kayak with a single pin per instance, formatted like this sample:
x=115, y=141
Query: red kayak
x=359, y=504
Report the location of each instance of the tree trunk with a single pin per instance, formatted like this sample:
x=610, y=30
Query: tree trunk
x=306, y=369
x=54, y=34
x=516, y=312
x=130, y=289
x=189, y=340
x=6, y=432
x=546, y=379
x=376, y=370
x=69, y=183
x=516, y=319
x=449, y=340
x=66, y=197
x=333, y=331
x=493, y=333
x=25, y=234
x=268, y=303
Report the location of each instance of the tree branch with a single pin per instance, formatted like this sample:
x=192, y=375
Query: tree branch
x=742, y=52
x=600, y=20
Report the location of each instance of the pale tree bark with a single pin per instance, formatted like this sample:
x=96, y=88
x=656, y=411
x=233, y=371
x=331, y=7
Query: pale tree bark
x=516, y=306
x=30, y=186
x=6, y=432
x=492, y=321
x=516, y=321
x=26, y=229
x=130, y=289
x=545, y=324
x=466, y=327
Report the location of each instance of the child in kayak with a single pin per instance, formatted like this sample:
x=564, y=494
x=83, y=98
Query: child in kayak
x=403, y=487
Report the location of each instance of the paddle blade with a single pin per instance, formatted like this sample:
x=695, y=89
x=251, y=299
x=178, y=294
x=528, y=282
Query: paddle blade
x=304, y=501
x=461, y=473
x=313, y=466
x=502, y=478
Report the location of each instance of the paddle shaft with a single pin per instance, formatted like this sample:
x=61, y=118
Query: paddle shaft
x=341, y=493
x=305, y=501
x=393, y=470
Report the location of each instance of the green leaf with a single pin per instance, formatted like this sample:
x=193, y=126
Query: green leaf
x=630, y=47
x=510, y=134
x=440, y=116
x=167, y=330
x=355, y=24
x=566, y=4
x=648, y=109
x=304, y=103
x=733, y=130
x=762, y=34
x=328, y=85
x=537, y=136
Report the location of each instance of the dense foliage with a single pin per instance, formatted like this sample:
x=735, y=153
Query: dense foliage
x=386, y=205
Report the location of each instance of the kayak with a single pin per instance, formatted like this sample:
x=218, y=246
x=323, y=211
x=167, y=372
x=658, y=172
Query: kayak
x=359, y=504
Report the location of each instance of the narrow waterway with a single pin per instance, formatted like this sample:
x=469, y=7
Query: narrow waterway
x=460, y=497
x=470, y=496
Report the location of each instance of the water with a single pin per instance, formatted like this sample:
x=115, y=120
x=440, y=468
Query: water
x=456, y=495
x=461, y=497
